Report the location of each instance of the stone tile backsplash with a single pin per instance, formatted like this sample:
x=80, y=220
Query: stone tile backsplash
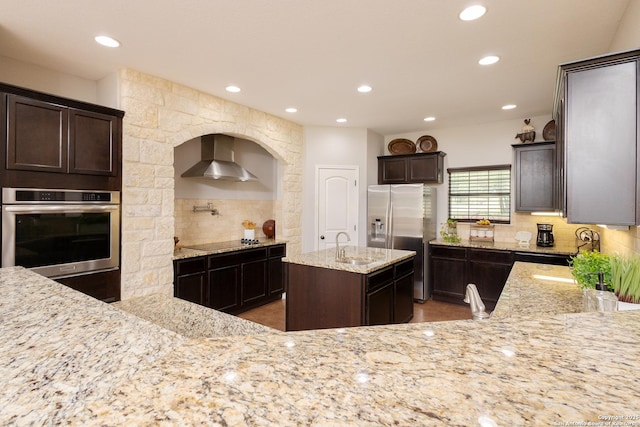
x=193, y=228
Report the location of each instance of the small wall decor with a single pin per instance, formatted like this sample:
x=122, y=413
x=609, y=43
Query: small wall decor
x=528, y=132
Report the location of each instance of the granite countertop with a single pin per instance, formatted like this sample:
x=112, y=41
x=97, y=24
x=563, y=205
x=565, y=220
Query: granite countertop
x=188, y=319
x=558, y=249
x=192, y=251
x=69, y=359
x=327, y=258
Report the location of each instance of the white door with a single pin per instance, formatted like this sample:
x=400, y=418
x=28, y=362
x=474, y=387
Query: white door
x=337, y=196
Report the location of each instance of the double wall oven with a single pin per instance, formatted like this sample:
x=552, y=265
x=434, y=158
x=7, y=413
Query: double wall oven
x=61, y=233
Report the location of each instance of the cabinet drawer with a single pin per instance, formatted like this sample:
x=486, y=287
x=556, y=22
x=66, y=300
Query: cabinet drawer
x=190, y=266
x=223, y=260
x=404, y=267
x=500, y=257
x=277, y=251
x=448, y=252
x=379, y=278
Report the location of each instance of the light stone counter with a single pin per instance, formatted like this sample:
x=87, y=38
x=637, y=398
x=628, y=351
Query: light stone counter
x=69, y=359
x=327, y=258
x=188, y=319
x=559, y=248
x=192, y=251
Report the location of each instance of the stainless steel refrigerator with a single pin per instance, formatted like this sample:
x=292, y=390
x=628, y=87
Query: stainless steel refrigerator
x=404, y=217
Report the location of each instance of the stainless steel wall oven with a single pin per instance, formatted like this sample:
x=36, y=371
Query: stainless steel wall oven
x=61, y=233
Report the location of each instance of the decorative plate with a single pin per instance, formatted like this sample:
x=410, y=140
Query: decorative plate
x=427, y=143
x=549, y=131
x=401, y=146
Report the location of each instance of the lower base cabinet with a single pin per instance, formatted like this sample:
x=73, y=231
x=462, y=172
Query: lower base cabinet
x=104, y=286
x=320, y=298
x=232, y=282
x=452, y=268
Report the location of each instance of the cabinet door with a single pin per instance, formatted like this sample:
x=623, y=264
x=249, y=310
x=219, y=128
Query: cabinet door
x=93, y=142
x=403, y=299
x=392, y=171
x=601, y=138
x=424, y=169
x=36, y=135
x=276, y=269
x=223, y=288
x=191, y=287
x=379, y=305
x=535, y=177
x=449, y=274
x=489, y=270
x=254, y=281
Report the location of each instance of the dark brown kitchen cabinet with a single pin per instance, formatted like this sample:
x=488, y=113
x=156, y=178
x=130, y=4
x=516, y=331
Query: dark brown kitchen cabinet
x=232, y=281
x=54, y=142
x=411, y=168
x=535, y=177
x=276, y=269
x=104, y=285
x=597, y=117
x=489, y=270
x=448, y=271
x=319, y=298
x=190, y=279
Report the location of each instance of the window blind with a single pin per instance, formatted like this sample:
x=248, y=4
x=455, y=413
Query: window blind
x=477, y=193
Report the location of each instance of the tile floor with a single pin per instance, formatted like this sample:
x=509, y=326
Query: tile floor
x=272, y=314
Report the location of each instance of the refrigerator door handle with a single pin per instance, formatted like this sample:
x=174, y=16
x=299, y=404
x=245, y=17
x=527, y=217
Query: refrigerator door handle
x=389, y=244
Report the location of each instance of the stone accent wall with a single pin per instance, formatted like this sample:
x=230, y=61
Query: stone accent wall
x=159, y=116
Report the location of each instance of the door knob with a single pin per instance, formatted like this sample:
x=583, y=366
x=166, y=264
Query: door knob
x=322, y=237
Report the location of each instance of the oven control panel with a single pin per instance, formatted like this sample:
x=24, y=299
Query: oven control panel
x=36, y=195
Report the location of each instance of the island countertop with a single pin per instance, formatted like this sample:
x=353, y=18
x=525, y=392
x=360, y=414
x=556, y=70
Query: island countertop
x=327, y=258
x=69, y=359
x=191, y=251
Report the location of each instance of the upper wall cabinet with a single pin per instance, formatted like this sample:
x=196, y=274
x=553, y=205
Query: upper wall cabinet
x=535, y=170
x=411, y=168
x=56, y=142
x=596, y=112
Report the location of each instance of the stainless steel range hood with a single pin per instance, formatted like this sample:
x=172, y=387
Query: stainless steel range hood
x=216, y=161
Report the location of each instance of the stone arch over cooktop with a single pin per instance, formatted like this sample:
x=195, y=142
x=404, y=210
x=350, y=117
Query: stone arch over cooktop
x=161, y=115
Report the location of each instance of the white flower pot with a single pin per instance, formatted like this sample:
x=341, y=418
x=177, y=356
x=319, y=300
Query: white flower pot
x=622, y=306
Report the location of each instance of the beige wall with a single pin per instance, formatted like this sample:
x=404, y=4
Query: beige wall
x=159, y=116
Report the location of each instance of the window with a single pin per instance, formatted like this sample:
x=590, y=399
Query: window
x=480, y=192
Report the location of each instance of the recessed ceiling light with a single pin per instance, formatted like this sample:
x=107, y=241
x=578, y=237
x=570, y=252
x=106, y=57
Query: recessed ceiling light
x=364, y=89
x=107, y=41
x=291, y=110
x=341, y=120
x=233, y=89
x=488, y=60
x=509, y=106
x=429, y=119
x=472, y=12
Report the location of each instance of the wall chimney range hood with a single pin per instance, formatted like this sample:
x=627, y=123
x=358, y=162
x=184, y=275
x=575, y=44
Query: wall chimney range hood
x=216, y=161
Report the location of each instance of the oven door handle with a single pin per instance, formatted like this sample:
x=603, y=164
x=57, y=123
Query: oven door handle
x=63, y=209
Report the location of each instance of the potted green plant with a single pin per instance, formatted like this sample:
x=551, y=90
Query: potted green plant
x=625, y=279
x=449, y=231
x=585, y=268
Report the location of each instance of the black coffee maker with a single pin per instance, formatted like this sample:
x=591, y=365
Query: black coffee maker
x=545, y=235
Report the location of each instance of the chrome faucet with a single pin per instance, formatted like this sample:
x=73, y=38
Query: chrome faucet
x=472, y=297
x=340, y=252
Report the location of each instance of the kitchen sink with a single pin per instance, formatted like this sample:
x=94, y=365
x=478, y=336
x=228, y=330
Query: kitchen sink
x=355, y=260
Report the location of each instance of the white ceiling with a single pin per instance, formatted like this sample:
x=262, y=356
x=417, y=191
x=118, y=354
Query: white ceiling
x=312, y=54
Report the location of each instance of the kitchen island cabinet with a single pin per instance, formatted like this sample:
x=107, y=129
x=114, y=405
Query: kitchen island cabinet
x=231, y=279
x=323, y=293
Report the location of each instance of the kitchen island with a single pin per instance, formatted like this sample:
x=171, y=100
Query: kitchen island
x=363, y=287
x=69, y=359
